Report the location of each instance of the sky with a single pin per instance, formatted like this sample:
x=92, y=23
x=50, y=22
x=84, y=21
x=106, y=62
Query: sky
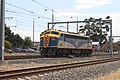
x=20, y=14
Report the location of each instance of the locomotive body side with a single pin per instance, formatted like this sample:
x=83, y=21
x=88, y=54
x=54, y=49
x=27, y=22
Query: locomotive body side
x=74, y=42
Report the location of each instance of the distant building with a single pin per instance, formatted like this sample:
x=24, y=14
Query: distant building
x=105, y=47
x=36, y=43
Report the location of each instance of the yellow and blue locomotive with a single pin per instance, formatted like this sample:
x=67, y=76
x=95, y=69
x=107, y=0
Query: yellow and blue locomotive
x=60, y=43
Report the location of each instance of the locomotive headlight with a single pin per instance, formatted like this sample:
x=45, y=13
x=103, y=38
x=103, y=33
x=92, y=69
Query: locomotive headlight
x=45, y=42
x=41, y=39
x=53, y=39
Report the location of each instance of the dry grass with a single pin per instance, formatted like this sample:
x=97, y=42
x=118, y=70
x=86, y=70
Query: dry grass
x=7, y=68
x=20, y=54
x=22, y=66
x=112, y=76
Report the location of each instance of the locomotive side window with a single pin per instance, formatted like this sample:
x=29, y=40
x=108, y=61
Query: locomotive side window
x=53, y=32
x=47, y=33
x=75, y=37
x=61, y=35
x=84, y=38
x=69, y=36
x=80, y=37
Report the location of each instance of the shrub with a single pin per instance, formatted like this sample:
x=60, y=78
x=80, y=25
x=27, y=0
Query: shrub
x=7, y=44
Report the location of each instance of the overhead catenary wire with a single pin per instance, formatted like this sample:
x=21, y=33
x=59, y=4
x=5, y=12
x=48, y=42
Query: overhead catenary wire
x=27, y=29
x=19, y=7
x=22, y=28
x=15, y=12
x=25, y=17
x=18, y=13
x=24, y=23
x=32, y=13
x=21, y=22
x=41, y=4
x=49, y=8
x=19, y=16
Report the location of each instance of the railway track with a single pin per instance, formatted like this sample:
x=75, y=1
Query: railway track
x=47, y=69
x=39, y=56
x=22, y=57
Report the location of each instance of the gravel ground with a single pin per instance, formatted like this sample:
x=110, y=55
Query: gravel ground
x=82, y=73
x=26, y=63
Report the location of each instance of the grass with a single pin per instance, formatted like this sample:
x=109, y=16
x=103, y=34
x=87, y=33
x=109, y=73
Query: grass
x=64, y=62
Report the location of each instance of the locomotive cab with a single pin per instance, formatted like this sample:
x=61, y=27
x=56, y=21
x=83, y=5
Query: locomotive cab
x=49, y=41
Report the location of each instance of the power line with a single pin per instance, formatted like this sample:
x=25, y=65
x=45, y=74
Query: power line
x=18, y=12
x=26, y=10
x=27, y=20
x=18, y=15
x=24, y=23
x=41, y=4
x=22, y=28
x=26, y=29
x=62, y=14
x=19, y=7
x=49, y=8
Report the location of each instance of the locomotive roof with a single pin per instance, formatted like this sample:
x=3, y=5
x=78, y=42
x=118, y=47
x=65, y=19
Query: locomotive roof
x=63, y=32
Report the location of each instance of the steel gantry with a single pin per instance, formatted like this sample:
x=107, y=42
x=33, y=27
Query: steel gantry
x=106, y=21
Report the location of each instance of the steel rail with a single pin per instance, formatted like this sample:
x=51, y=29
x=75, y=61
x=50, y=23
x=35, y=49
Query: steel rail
x=22, y=57
x=39, y=56
x=46, y=69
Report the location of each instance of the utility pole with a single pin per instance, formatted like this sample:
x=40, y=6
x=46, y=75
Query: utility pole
x=33, y=29
x=77, y=24
x=2, y=23
x=111, y=39
x=119, y=47
x=52, y=19
x=67, y=27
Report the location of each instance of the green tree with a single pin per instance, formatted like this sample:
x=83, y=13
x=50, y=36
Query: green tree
x=7, y=44
x=14, y=39
x=27, y=42
x=96, y=29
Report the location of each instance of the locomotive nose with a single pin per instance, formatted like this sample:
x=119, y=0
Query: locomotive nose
x=46, y=41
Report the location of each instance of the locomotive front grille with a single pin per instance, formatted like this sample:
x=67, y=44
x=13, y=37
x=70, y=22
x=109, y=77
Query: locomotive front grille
x=46, y=41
